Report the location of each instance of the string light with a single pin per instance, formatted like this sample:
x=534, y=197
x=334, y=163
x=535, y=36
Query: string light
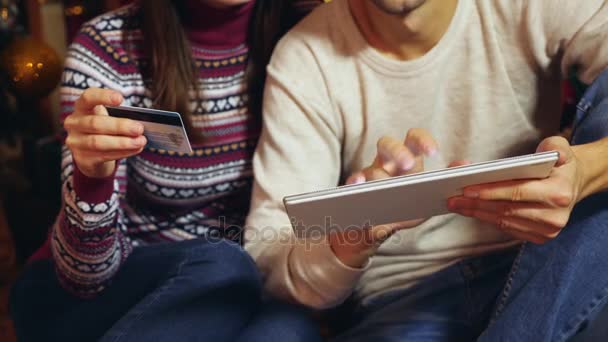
x=74, y=10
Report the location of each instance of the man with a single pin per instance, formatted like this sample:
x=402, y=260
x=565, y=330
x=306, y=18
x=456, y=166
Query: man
x=467, y=80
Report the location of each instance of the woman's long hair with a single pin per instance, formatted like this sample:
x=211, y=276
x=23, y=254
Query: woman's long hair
x=171, y=69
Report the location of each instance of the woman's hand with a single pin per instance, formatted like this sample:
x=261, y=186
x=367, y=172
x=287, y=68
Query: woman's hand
x=393, y=158
x=96, y=139
x=530, y=210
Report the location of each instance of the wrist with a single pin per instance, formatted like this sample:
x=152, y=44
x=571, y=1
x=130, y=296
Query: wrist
x=100, y=171
x=93, y=189
x=592, y=168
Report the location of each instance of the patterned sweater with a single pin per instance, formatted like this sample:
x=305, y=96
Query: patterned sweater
x=157, y=196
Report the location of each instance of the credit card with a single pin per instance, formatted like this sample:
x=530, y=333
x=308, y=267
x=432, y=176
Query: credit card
x=163, y=130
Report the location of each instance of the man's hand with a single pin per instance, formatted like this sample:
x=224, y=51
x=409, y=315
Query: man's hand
x=393, y=158
x=530, y=210
x=396, y=158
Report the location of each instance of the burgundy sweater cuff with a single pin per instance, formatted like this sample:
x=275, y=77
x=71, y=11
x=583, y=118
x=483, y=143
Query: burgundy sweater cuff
x=93, y=190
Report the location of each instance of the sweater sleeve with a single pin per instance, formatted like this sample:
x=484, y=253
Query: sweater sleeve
x=571, y=33
x=299, y=150
x=87, y=240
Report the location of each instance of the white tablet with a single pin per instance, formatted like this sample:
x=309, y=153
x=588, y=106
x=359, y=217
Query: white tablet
x=404, y=198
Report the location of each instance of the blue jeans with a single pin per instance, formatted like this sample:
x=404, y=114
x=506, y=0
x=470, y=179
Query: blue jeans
x=187, y=291
x=547, y=292
x=451, y=305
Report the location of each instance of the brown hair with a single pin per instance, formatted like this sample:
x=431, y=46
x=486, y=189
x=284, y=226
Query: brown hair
x=171, y=71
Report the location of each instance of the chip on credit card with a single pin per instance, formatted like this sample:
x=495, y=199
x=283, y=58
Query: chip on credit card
x=164, y=130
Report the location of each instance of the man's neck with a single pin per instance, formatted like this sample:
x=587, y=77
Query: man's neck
x=407, y=36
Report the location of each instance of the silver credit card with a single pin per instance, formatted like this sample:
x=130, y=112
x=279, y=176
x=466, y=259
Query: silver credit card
x=164, y=130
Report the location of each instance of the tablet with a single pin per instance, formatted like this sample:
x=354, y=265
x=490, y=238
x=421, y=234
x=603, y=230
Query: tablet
x=404, y=198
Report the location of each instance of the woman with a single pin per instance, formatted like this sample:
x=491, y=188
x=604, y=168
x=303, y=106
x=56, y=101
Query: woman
x=141, y=249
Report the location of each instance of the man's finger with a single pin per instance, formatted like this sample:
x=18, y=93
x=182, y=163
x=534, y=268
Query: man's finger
x=458, y=163
x=394, y=157
x=505, y=208
x=514, y=191
x=373, y=173
x=384, y=231
x=534, y=212
x=420, y=142
x=356, y=178
x=93, y=97
x=513, y=224
x=559, y=144
x=547, y=191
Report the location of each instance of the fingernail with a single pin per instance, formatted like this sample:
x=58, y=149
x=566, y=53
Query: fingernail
x=452, y=204
x=471, y=193
x=359, y=180
x=456, y=203
x=352, y=180
x=116, y=98
x=408, y=164
x=137, y=129
x=139, y=142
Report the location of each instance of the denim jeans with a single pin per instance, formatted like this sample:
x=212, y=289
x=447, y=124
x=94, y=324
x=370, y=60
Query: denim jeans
x=451, y=305
x=547, y=292
x=188, y=291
